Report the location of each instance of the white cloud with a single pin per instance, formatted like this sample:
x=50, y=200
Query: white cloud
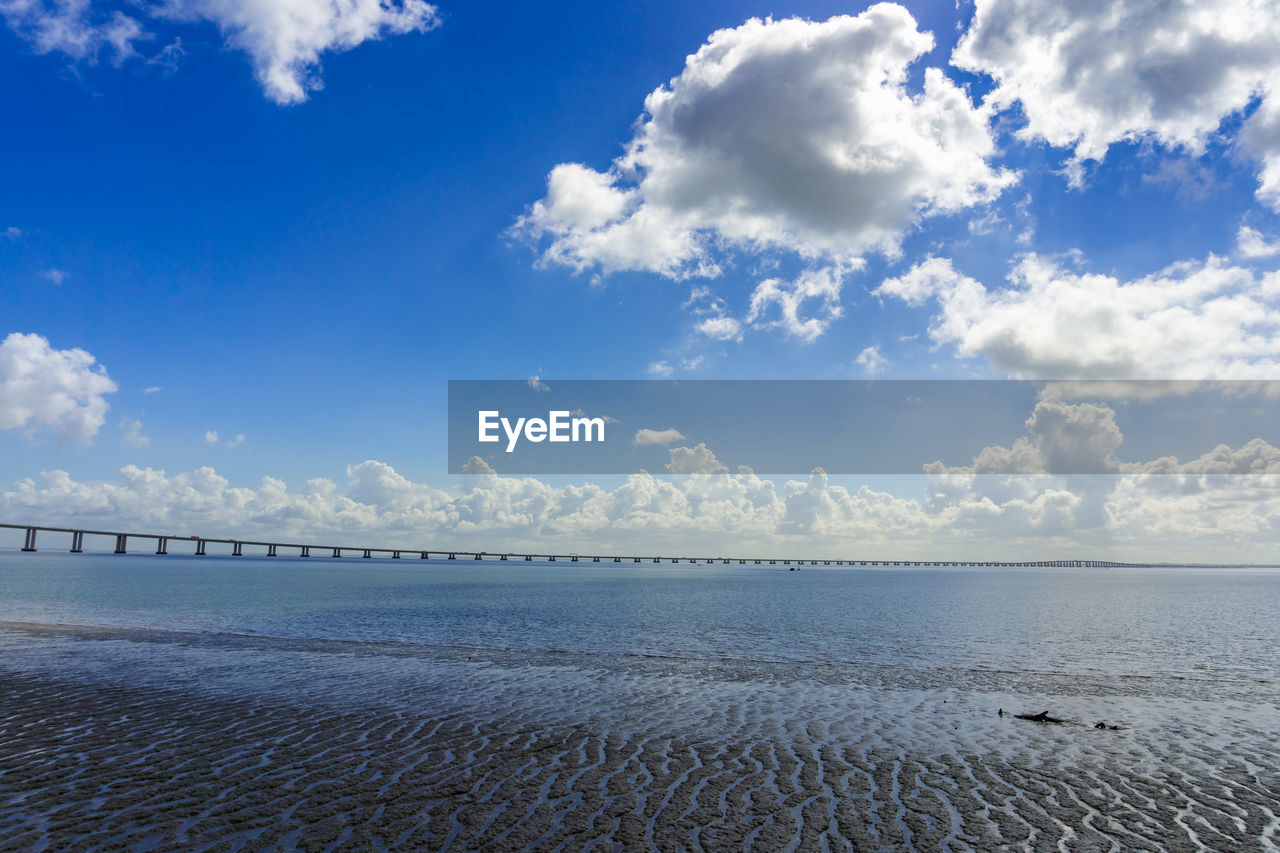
x=1191, y=320
x=1261, y=137
x=56, y=276
x=132, y=429
x=784, y=134
x=13, y=233
x=1254, y=457
x=692, y=460
x=537, y=384
x=721, y=328
x=714, y=322
x=1065, y=438
x=871, y=360
x=781, y=304
x=154, y=389
x=76, y=28
x=656, y=436
x=1220, y=498
x=211, y=437
x=1251, y=244
x=661, y=368
x=284, y=39
x=609, y=419
x=59, y=390
x=1090, y=76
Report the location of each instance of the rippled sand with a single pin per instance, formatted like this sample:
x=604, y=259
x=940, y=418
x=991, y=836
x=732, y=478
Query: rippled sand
x=146, y=740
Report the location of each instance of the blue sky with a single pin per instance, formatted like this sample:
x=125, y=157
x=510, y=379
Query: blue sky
x=309, y=269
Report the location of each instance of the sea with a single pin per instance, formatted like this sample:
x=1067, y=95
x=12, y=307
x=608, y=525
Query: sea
x=221, y=702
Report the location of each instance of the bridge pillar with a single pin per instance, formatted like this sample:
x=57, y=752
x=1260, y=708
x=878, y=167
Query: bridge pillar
x=503, y=558
x=395, y=555
x=236, y=550
x=551, y=559
x=77, y=543
x=477, y=556
x=29, y=544
x=121, y=540
x=366, y=554
x=528, y=558
x=453, y=556
x=617, y=559
x=573, y=559
x=199, y=547
x=306, y=551
x=162, y=546
x=595, y=559
x=657, y=559
x=271, y=551
x=423, y=556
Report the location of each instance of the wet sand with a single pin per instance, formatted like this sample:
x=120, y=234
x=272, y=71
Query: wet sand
x=115, y=739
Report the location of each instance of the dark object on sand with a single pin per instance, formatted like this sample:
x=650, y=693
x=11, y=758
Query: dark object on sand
x=1042, y=717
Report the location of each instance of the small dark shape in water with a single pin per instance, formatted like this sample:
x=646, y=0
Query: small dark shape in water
x=1101, y=725
x=1000, y=713
x=1042, y=717
x=791, y=569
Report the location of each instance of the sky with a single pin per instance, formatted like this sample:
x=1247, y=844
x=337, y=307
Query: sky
x=246, y=244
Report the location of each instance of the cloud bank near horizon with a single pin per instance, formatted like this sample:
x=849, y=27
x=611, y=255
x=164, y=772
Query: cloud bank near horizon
x=1222, y=505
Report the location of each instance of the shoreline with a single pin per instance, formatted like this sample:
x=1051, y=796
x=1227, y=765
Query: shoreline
x=844, y=672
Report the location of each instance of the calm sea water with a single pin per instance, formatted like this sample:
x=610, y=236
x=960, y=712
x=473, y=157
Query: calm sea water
x=1180, y=622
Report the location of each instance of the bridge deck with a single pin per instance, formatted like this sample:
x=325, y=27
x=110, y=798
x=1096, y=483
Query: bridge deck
x=334, y=551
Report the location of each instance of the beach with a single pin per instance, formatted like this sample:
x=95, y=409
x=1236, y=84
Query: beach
x=117, y=737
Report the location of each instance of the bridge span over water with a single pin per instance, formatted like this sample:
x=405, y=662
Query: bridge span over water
x=199, y=545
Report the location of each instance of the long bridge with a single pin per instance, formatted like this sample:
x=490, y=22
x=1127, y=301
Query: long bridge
x=273, y=549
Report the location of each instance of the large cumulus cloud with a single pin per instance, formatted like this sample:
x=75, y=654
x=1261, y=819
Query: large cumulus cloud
x=48, y=389
x=789, y=135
